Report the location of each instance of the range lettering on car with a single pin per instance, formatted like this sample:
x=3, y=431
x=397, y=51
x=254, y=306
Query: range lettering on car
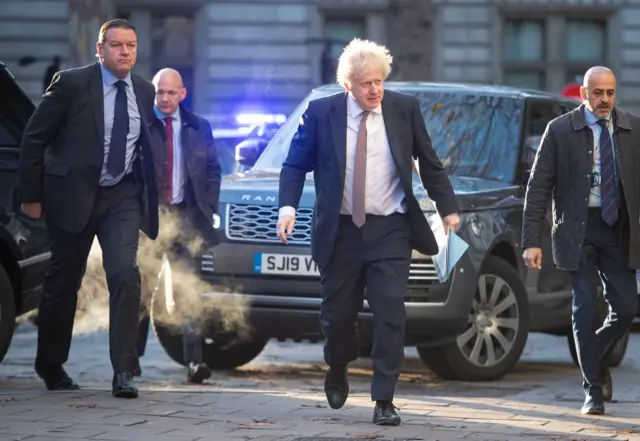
x=249, y=197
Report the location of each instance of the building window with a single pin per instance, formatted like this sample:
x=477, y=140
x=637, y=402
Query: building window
x=526, y=53
x=523, y=53
x=585, y=47
x=173, y=41
x=338, y=32
x=585, y=42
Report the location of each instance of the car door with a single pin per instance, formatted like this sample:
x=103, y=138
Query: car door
x=549, y=289
x=27, y=238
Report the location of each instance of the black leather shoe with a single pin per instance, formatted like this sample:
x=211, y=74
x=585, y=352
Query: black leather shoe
x=336, y=386
x=123, y=386
x=606, y=381
x=197, y=372
x=593, y=405
x=137, y=370
x=55, y=378
x=385, y=414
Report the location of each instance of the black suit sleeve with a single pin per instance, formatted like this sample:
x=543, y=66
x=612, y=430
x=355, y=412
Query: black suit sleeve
x=300, y=161
x=214, y=170
x=433, y=175
x=541, y=182
x=41, y=129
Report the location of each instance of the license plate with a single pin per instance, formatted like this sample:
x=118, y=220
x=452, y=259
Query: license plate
x=285, y=265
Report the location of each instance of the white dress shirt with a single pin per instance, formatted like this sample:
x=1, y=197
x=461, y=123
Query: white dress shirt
x=383, y=192
x=177, y=184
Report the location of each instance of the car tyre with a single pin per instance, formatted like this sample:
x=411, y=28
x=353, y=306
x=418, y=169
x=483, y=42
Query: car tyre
x=615, y=357
x=7, y=312
x=496, y=333
x=220, y=352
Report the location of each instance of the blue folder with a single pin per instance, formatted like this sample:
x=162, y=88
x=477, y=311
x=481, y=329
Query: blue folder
x=452, y=247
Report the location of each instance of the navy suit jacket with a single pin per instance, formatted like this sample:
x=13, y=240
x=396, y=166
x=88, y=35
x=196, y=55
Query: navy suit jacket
x=320, y=144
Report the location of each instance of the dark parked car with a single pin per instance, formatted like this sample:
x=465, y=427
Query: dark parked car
x=474, y=326
x=24, y=246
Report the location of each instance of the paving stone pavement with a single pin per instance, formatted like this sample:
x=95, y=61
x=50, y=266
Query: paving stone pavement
x=276, y=399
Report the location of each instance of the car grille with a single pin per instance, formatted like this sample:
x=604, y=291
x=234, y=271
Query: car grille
x=421, y=275
x=257, y=223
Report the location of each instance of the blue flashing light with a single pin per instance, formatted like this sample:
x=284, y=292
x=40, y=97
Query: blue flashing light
x=258, y=118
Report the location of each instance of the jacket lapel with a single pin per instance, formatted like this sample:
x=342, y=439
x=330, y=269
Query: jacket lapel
x=145, y=119
x=96, y=92
x=338, y=123
x=389, y=113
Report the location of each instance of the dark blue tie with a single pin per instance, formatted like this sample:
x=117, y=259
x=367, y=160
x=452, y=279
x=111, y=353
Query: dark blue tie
x=118, y=146
x=608, y=187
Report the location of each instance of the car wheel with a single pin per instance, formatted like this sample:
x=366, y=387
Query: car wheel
x=7, y=313
x=615, y=357
x=219, y=351
x=496, y=333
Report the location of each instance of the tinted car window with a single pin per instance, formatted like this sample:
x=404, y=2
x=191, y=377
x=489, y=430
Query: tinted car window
x=476, y=136
x=539, y=114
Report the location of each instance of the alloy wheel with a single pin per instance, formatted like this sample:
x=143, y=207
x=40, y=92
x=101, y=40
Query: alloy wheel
x=494, y=321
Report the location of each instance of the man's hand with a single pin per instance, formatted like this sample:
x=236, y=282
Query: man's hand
x=32, y=209
x=533, y=258
x=285, y=227
x=452, y=221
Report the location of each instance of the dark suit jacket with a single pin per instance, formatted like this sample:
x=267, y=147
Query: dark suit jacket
x=62, y=150
x=319, y=145
x=202, y=166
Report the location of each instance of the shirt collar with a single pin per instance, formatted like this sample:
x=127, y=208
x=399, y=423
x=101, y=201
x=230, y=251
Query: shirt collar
x=109, y=79
x=354, y=109
x=161, y=116
x=592, y=120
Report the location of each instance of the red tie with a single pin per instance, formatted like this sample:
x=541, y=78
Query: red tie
x=168, y=128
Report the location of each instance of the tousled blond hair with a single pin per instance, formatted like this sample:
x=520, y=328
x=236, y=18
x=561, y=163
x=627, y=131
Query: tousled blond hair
x=361, y=55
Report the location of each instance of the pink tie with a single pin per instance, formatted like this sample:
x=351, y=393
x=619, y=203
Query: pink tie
x=360, y=174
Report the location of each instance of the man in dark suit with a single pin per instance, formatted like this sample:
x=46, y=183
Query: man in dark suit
x=366, y=218
x=588, y=163
x=86, y=165
x=188, y=178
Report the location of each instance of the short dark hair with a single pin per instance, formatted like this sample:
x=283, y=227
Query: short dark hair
x=119, y=23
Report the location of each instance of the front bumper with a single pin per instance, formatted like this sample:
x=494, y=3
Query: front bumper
x=287, y=307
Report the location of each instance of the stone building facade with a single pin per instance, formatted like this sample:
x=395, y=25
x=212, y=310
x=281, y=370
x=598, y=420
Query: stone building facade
x=264, y=55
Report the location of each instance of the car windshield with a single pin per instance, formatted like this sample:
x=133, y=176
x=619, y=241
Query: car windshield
x=473, y=135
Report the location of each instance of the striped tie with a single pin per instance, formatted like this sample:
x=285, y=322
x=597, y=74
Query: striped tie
x=608, y=188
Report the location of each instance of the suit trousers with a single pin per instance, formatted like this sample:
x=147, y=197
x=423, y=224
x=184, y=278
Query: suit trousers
x=115, y=219
x=180, y=260
x=604, y=256
x=375, y=258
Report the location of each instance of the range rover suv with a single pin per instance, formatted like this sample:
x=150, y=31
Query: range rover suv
x=24, y=242
x=474, y=326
